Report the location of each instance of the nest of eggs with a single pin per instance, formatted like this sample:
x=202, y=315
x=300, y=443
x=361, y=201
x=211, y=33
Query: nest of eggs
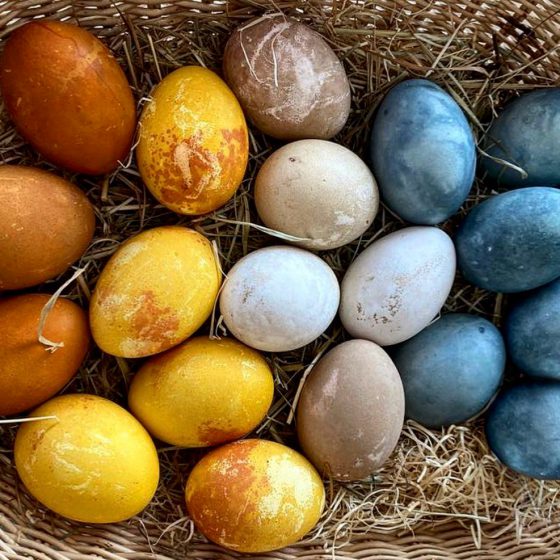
x=433, y=476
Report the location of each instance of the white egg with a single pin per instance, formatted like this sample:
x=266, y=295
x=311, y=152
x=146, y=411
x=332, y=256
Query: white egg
x=397, y=285
x=279, y=298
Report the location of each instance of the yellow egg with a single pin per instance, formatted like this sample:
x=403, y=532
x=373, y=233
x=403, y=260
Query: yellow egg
x=254, y=496
x=155, y=291
x=204, y=392
x=94, y=462
x=193, y=147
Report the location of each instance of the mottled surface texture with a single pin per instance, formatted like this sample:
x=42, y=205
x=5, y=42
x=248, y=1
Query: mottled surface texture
x=422, y=152
x=451, y=369
x=511, y=242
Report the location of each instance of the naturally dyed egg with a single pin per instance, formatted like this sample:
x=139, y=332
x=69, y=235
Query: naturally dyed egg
x=351, y=411
x=46, y=224
x=92, y=462
x=254, y=496
x=204, y=392
x=397, y=285
x=451, y=369
x=279, y=298
x=317, y=190
x=525, y=134
x=193, y=147
x=155, y=291
x=523, y=428
x=422, y=152
x=532, y=332
x=287, y=78
x=30, y=373
x=68, y=96
x=511, y=242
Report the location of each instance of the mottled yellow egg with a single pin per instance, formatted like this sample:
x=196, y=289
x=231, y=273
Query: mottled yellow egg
x=155, y=291
x=193, y=147
x=93, y=462
x=204, y=392
x=254, y=496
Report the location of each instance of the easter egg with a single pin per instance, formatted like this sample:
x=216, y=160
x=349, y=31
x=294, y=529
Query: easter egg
x=68, y=96
x=526, y=135
x=91, y=462
x=511, y=241
x=287, y=78
x=532, y=332
x=317, y=190
x=193, y=147
x=31, y=372
x=422, y=152
x=351, y=411
x=46, y=224
x=279, y=298
x=523, y=428
x=204, y=392
x=155, y=291
x=397, y=285
x=254, y=496
x=451, y=369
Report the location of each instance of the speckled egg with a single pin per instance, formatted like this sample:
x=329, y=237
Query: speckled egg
x=254, y=496
x=351, y=411
x=317, y=190
x=155, y=291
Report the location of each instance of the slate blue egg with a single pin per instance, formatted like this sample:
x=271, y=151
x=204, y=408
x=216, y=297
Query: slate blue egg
x=451, y=370
x=511, y=241
x=533, y=332
x=422, y=152
x=527, y=134
x=523, y=428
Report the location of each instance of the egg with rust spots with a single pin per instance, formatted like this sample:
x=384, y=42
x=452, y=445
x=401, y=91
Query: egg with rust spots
x=254, y=496
x=91, y=462
x=194, y=145
x=204, y=392
x=155, y=291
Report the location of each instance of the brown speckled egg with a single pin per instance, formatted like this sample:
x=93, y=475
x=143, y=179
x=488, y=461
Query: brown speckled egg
x=351, y=411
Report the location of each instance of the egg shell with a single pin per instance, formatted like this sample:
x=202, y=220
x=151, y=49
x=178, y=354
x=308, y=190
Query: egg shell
x=532, y=332
x=194, y=146
x=397, y=285
x=523, y=428
x=287, y=78
x=155, y=291
x=46, y=224
x=451, y=369
x=279, y=298
x=94, y=462
x=351, y=410
x=29, y=373
x=204, y=392
x=526, y=134
x=254, y=496
x=317, y=190
x=511, y=241
x=68, y=96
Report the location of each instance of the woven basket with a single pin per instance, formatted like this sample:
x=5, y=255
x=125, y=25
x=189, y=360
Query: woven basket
x=504, y=39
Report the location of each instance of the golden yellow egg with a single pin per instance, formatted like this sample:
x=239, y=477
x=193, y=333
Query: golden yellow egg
x=204, y=392
x=155, y=291
x=254, y=496
x=193, y=147
x=93, y=462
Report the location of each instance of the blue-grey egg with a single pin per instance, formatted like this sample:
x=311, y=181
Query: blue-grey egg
x=451, y=370
x=422, y=152
x=533, y=332
x=526, y=134
x=511, y=241
x=523, y=428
